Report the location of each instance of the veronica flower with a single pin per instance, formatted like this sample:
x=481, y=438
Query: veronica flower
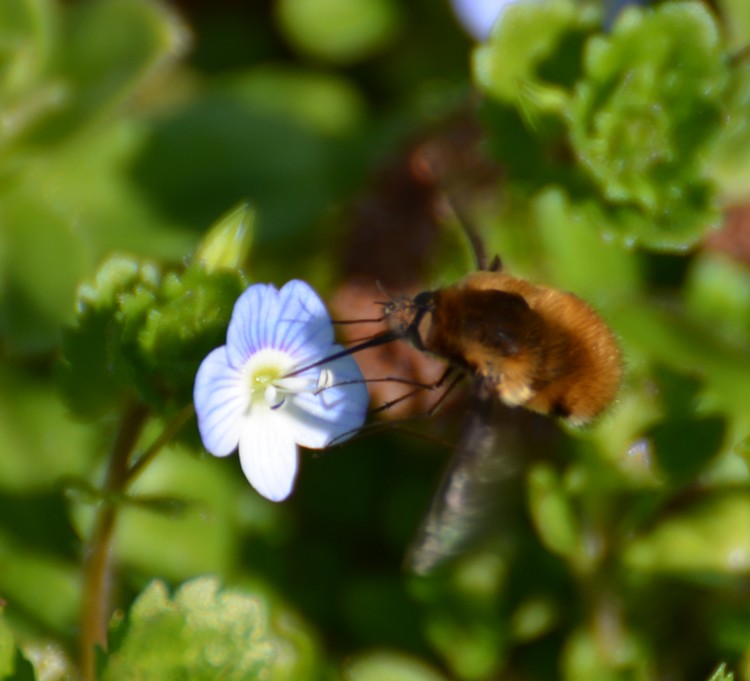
x=270, y=388
x=478, y=16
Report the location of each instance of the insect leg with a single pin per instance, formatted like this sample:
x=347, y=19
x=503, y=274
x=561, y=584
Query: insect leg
x=447, y=391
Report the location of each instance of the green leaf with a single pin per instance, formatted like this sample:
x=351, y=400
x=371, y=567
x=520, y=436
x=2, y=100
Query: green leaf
x=534, y=618
x=24, y=670
x=7, y=645
x=324, y=102
x=342, y=31
x=533, y=54
x=188, y=320
x=717, y=292
x=644, y=114
x=685, y=446
x=683, y=442
x=36, y=581
x=566, y=239
x=585, y=658
x=528, y=68
x=736, y=22
x=139, y=330
x=721, y=674
x=92, y=373
x=388, y=665
x=224, y=146
x=637, y=125
x=728, y=161
x=105, y=51
x=37, y=286
x=710, y=537
x=551, y=512
x=38, y=441
x=202, y=632
x=27, y=34
x=13, y=665
x=179, y=522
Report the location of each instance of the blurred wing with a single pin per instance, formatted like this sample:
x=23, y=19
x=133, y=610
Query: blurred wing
x=470, y=495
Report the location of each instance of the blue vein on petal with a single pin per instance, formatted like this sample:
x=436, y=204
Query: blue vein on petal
x=319, y=323
x=284, y=340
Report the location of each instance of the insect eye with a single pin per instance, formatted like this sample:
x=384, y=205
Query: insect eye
x=423, y=300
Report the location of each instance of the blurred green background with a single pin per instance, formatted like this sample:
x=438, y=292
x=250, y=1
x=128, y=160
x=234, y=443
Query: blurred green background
x=612, y=161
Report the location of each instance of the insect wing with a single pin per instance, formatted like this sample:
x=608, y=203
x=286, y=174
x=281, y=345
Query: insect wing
x=470, y=495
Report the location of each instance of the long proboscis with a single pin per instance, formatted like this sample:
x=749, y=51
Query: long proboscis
x=372, y=320
x=375, y=341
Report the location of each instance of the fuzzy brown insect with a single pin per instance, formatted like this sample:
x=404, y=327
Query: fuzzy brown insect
x=520, y=344
x=533, y=346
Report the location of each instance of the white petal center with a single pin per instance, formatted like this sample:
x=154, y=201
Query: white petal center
x=266, y=376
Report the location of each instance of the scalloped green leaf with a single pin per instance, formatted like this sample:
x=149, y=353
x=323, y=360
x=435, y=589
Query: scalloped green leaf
x=91, y=372
x=533, y=55
x=138, y=330
x=644, y=115
x=188, y=320
x=203, y=632
x=643, y=127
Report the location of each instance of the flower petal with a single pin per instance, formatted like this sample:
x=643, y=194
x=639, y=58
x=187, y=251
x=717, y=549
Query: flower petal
x=303, y=328
x=220, y=403
x=268, y=453
x=478, y=16
x=253, y=323
x=334, y=413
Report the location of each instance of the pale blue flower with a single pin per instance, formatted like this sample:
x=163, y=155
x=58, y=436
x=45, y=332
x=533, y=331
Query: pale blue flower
x=270, y=389
x=478, y=16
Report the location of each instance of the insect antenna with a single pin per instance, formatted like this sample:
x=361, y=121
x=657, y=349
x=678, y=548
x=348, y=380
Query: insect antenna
x=381, y=288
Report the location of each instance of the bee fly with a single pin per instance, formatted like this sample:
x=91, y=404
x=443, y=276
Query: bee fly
x=520, y=344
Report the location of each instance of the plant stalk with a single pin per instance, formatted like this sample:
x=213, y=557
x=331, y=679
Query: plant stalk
x=97, y=570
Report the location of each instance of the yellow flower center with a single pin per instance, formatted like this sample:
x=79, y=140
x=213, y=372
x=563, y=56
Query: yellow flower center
x=268, y=381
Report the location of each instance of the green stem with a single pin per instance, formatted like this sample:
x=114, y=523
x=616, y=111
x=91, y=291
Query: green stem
x=171, y=429
x=95, y=610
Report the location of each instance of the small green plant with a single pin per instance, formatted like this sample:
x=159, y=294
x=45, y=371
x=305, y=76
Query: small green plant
x=603, y=157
